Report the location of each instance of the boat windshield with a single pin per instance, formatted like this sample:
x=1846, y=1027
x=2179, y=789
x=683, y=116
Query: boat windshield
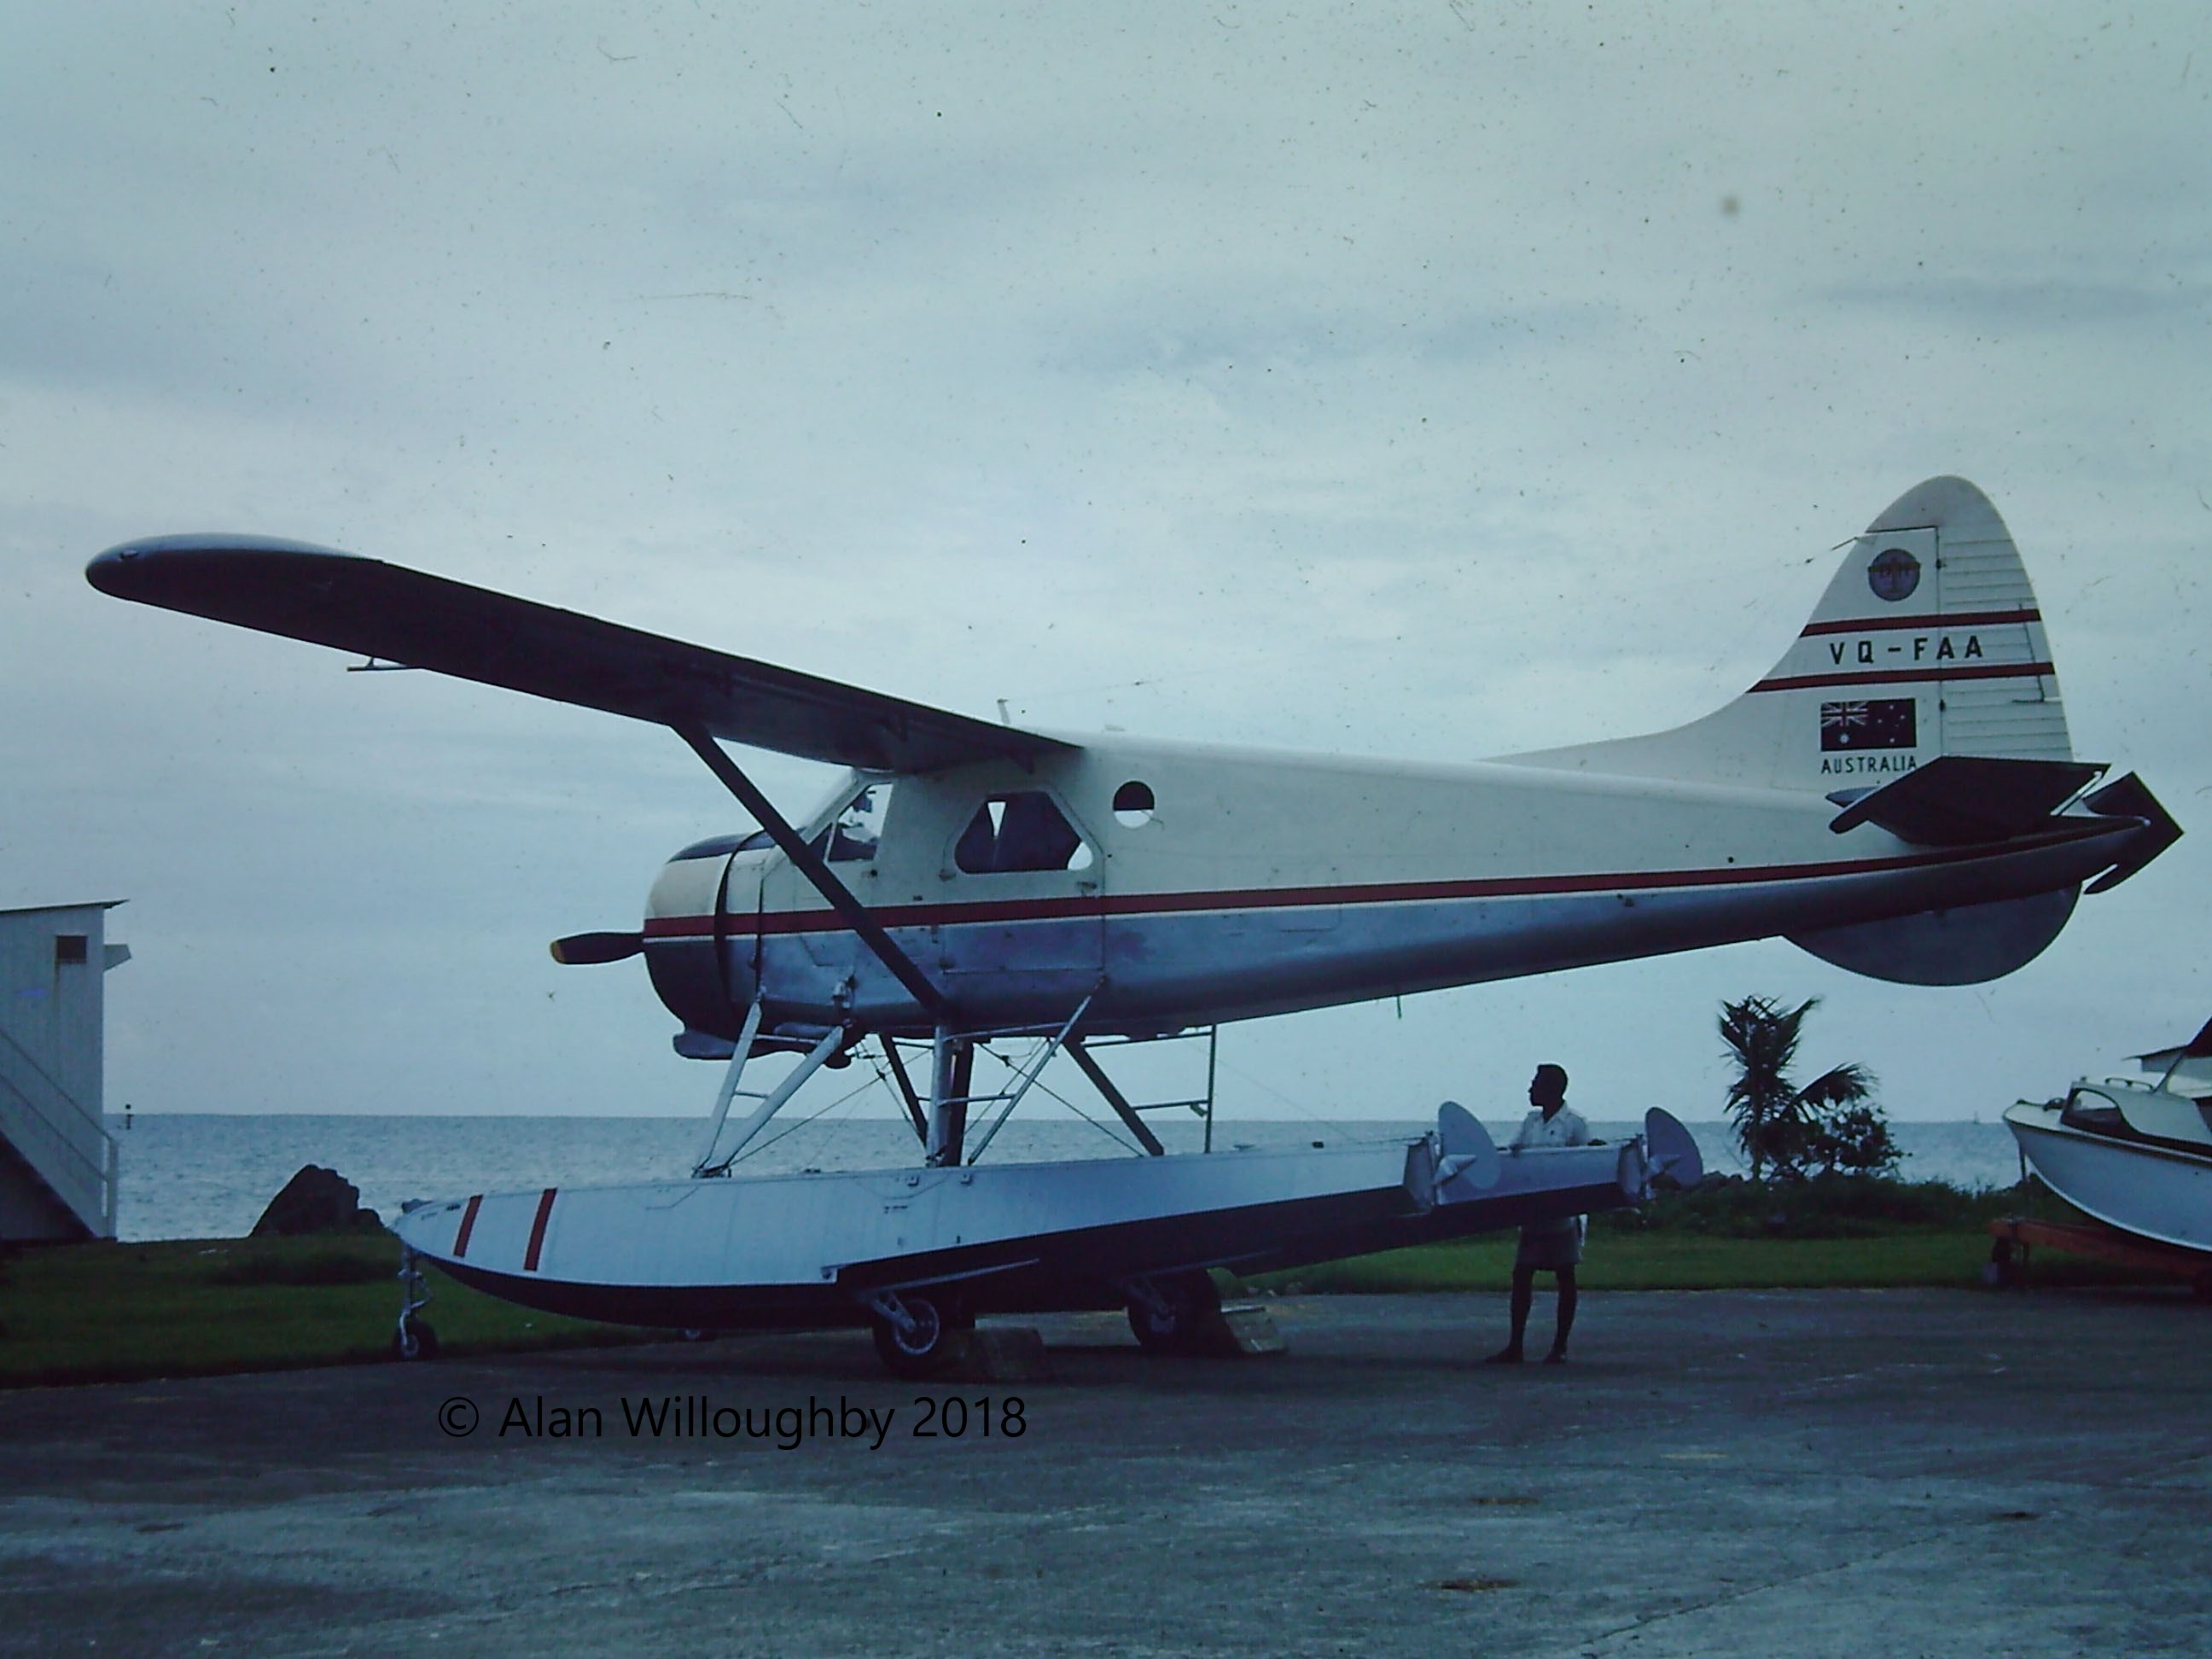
x=2099, y=1114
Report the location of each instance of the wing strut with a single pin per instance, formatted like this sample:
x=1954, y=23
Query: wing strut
x=850, y=910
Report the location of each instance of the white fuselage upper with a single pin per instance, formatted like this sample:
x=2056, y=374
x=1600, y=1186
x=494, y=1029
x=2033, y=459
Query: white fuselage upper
x=1258, y=883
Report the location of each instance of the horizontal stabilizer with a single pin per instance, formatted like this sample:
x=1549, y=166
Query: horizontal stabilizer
x=2130, y=798
x=1963, y=800
x=414, y=620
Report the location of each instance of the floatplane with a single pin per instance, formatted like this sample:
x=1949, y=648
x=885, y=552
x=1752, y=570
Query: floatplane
x=1898, y=796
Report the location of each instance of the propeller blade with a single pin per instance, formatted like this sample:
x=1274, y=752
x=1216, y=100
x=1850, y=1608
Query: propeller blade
x=596, y=947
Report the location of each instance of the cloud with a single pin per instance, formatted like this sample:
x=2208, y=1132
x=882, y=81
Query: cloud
x=1386, y=383
x=1998, y=305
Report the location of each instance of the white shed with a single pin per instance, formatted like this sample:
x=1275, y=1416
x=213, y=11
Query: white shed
x=57, y=1161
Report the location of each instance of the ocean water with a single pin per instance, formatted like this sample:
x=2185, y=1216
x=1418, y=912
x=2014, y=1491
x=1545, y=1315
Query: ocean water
x=211, y=1176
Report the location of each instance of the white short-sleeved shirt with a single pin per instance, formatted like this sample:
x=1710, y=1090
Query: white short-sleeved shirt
x=1564, y=1129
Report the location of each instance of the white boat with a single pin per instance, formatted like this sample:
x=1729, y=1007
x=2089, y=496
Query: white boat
x=2137, y=1156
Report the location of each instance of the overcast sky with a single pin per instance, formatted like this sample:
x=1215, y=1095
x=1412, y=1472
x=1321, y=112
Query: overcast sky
x=1438, y=382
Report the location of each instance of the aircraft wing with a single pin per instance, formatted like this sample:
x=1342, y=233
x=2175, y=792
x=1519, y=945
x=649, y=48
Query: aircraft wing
x=408, y=617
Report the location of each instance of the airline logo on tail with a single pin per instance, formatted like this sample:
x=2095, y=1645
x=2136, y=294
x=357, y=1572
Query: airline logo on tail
x=1893, y=574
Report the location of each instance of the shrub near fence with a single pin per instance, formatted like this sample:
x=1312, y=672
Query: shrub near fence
x=1827, y=1207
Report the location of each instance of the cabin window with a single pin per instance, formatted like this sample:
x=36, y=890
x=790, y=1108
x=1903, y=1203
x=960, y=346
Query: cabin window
x=852, y=834
x=1024, y=831
x=1132, y=804
x=69, y=947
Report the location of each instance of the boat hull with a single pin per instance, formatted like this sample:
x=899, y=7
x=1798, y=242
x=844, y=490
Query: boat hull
x=2152, y=1192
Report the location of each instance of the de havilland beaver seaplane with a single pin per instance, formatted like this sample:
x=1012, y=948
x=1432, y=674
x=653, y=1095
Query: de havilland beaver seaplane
x=1898, y=796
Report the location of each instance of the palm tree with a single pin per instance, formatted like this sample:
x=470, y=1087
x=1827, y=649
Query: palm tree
x=1775, y=1122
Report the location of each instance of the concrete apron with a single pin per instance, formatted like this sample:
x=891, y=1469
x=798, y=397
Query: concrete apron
x=1713, y=1473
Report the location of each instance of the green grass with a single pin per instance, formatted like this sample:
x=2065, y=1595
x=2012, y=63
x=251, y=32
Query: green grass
x=1835, y=1233
x=1664, y=1261
x=110, y=1312
x=1830, y=1207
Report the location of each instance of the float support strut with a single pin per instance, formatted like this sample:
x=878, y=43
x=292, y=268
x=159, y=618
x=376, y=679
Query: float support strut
x=831, y=1040
x=1113, y=1096
x=907, y=1096
x=729, y=1088
x=953, y=1067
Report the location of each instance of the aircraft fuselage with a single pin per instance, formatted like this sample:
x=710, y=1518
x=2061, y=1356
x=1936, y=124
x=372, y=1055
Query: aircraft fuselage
x=1250, y=883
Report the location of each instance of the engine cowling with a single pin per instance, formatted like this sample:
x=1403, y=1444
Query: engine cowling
x=696, y=976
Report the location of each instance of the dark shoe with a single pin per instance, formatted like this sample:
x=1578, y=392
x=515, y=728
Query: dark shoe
x=1505, y=1356
x=1557, y=1357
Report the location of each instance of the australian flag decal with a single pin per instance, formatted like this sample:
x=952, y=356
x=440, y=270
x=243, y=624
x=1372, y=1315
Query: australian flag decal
x=1888, y=723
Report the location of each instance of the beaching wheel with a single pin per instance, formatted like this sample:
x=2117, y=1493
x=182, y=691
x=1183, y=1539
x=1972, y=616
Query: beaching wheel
x=912, y=1352
x=1172, y=1319
x=414, y=1339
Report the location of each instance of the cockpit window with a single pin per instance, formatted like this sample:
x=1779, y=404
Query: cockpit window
x=851, y=837
x=1022, y=831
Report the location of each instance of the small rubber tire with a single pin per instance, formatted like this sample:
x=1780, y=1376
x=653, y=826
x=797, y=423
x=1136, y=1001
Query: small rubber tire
x=415, y=1340
x=912, y=1354
x=1192, y=1305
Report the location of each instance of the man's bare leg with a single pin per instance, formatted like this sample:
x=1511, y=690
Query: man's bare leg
x=1524, y=1294
x=1568, y=1297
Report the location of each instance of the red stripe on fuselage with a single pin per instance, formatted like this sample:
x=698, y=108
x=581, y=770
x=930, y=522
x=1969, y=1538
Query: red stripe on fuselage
x=1276, y=898
x=1886, y=624
x=537, y=1230
x=468, y=1226
x=1990, y=671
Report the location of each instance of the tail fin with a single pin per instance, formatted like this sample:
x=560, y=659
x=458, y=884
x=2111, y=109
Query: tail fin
x=1927, y=642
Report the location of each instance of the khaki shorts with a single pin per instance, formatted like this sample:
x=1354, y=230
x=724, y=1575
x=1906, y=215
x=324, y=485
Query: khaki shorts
x=1554, y=1245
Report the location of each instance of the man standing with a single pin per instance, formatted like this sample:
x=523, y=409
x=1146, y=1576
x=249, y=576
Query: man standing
x=1554, y=1246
